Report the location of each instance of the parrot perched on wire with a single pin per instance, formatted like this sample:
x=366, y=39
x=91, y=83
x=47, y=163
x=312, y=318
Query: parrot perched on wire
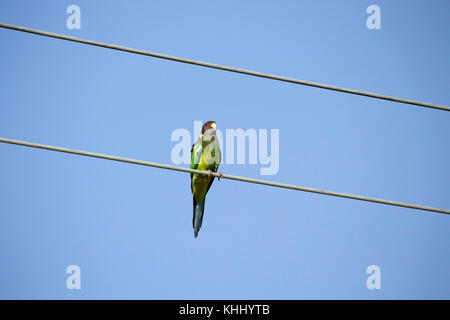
x=205, y=155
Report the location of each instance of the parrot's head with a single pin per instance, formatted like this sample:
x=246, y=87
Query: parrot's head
x=209, y=129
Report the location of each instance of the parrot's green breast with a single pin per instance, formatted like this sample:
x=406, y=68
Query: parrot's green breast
x=203, y=158
x=200, y=182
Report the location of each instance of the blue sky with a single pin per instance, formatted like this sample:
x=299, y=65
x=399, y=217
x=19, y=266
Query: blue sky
x=129, y=227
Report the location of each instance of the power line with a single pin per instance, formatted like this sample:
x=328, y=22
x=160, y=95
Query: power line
x=221, y=67
x=225, y=176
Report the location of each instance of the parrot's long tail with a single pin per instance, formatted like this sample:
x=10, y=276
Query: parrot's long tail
x=197, y=219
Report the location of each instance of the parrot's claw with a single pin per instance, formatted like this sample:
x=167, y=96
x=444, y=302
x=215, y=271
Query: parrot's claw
x=211, y=174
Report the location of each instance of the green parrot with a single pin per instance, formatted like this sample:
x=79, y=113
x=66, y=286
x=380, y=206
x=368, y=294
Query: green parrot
x=205, y=155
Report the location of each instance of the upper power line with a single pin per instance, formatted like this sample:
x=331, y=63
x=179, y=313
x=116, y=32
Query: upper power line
x=225, y=176
x=225, y=68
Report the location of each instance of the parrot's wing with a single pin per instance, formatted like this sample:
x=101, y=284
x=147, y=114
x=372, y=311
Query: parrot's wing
x=196, y=154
